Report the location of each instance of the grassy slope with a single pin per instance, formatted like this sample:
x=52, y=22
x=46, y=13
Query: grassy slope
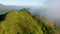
x=58, y=27
x=22, y=22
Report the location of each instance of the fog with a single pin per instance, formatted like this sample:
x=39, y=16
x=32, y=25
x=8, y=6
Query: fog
x=52, y=9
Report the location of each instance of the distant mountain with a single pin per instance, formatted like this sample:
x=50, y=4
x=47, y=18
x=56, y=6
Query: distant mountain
x=6, y=8
x=3, y=8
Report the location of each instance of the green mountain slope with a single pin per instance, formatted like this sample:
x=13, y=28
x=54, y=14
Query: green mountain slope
x=23, y=22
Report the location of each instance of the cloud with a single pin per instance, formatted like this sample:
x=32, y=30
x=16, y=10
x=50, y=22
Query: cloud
x=52, y=9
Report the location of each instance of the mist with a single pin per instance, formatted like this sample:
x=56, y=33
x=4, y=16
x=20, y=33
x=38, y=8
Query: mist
x=52, y=9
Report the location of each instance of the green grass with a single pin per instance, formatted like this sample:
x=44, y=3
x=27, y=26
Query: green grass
x=23, y=22
x=57, y=26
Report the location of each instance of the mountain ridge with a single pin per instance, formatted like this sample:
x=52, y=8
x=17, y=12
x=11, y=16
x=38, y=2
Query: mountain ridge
x=23, y=22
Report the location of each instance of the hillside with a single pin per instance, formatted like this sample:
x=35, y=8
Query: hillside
x=23, y=22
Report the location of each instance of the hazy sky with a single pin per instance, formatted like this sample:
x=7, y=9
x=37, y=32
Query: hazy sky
x=53, y=9
x=23, y=2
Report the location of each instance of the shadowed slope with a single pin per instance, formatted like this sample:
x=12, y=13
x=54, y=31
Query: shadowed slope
x=2, y=17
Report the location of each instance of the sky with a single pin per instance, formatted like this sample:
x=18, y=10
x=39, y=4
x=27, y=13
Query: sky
x=23, y=2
